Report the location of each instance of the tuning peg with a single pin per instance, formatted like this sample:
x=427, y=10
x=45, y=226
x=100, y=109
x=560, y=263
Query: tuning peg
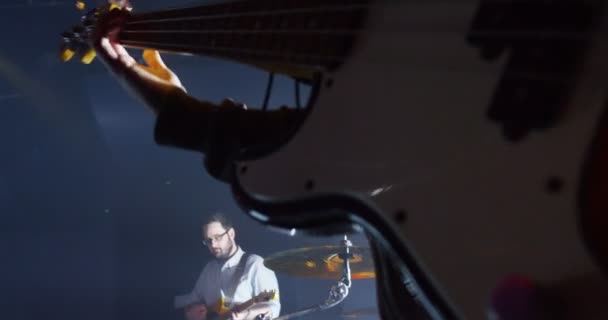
x=67, y=47
x=65, y=54
x=88, y=56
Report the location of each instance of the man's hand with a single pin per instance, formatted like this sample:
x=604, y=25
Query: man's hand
x=196, y=312
x=248, y=315
x=152, y=82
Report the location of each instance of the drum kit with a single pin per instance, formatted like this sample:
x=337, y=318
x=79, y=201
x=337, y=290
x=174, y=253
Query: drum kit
x=342, y=263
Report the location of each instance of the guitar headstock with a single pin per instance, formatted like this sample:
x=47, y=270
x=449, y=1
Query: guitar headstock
x=264, y=296
x=76, y=41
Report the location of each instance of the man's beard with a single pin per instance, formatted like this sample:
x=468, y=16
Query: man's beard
x=225, y=254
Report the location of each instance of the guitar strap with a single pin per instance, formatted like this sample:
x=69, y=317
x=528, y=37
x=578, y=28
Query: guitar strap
x=238, y=275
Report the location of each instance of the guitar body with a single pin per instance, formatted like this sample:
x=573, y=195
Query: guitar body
x=401, y=140
x=219, y=310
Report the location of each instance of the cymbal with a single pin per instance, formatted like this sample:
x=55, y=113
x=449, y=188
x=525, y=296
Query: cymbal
x=322, y=262
x=372, y=311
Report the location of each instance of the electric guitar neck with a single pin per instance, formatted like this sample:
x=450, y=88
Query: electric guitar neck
x=295, y=37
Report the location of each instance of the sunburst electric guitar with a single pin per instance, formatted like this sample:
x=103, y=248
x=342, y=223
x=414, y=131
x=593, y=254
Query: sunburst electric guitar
x=218, y=310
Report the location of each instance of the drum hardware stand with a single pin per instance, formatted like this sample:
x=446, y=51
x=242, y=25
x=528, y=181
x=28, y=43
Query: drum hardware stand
x=338, y=292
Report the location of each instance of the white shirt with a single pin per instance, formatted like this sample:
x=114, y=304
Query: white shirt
x=217, y=281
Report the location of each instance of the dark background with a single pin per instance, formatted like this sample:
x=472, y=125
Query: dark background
x=96, y=221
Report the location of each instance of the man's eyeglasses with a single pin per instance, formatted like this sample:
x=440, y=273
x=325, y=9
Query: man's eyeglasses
x=217, y=238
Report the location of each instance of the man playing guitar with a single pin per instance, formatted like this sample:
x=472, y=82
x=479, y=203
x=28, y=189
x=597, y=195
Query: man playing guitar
x=232, y=285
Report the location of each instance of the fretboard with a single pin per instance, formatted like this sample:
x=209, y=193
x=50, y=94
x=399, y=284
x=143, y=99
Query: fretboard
x=312, y=33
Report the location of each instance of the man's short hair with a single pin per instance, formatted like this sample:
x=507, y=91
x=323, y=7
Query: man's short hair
x=221, y=218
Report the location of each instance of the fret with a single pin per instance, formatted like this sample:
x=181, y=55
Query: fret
x=258, y=56
x=227, y=24
x=327, y=20
x=317, y=44
x=204, y=13
x=256, y=30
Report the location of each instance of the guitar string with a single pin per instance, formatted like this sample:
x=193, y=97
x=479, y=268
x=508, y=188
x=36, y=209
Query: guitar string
x=521, y=34
x=331, y=59
x=321, y=9
x=189, y=47
x=544, y=34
